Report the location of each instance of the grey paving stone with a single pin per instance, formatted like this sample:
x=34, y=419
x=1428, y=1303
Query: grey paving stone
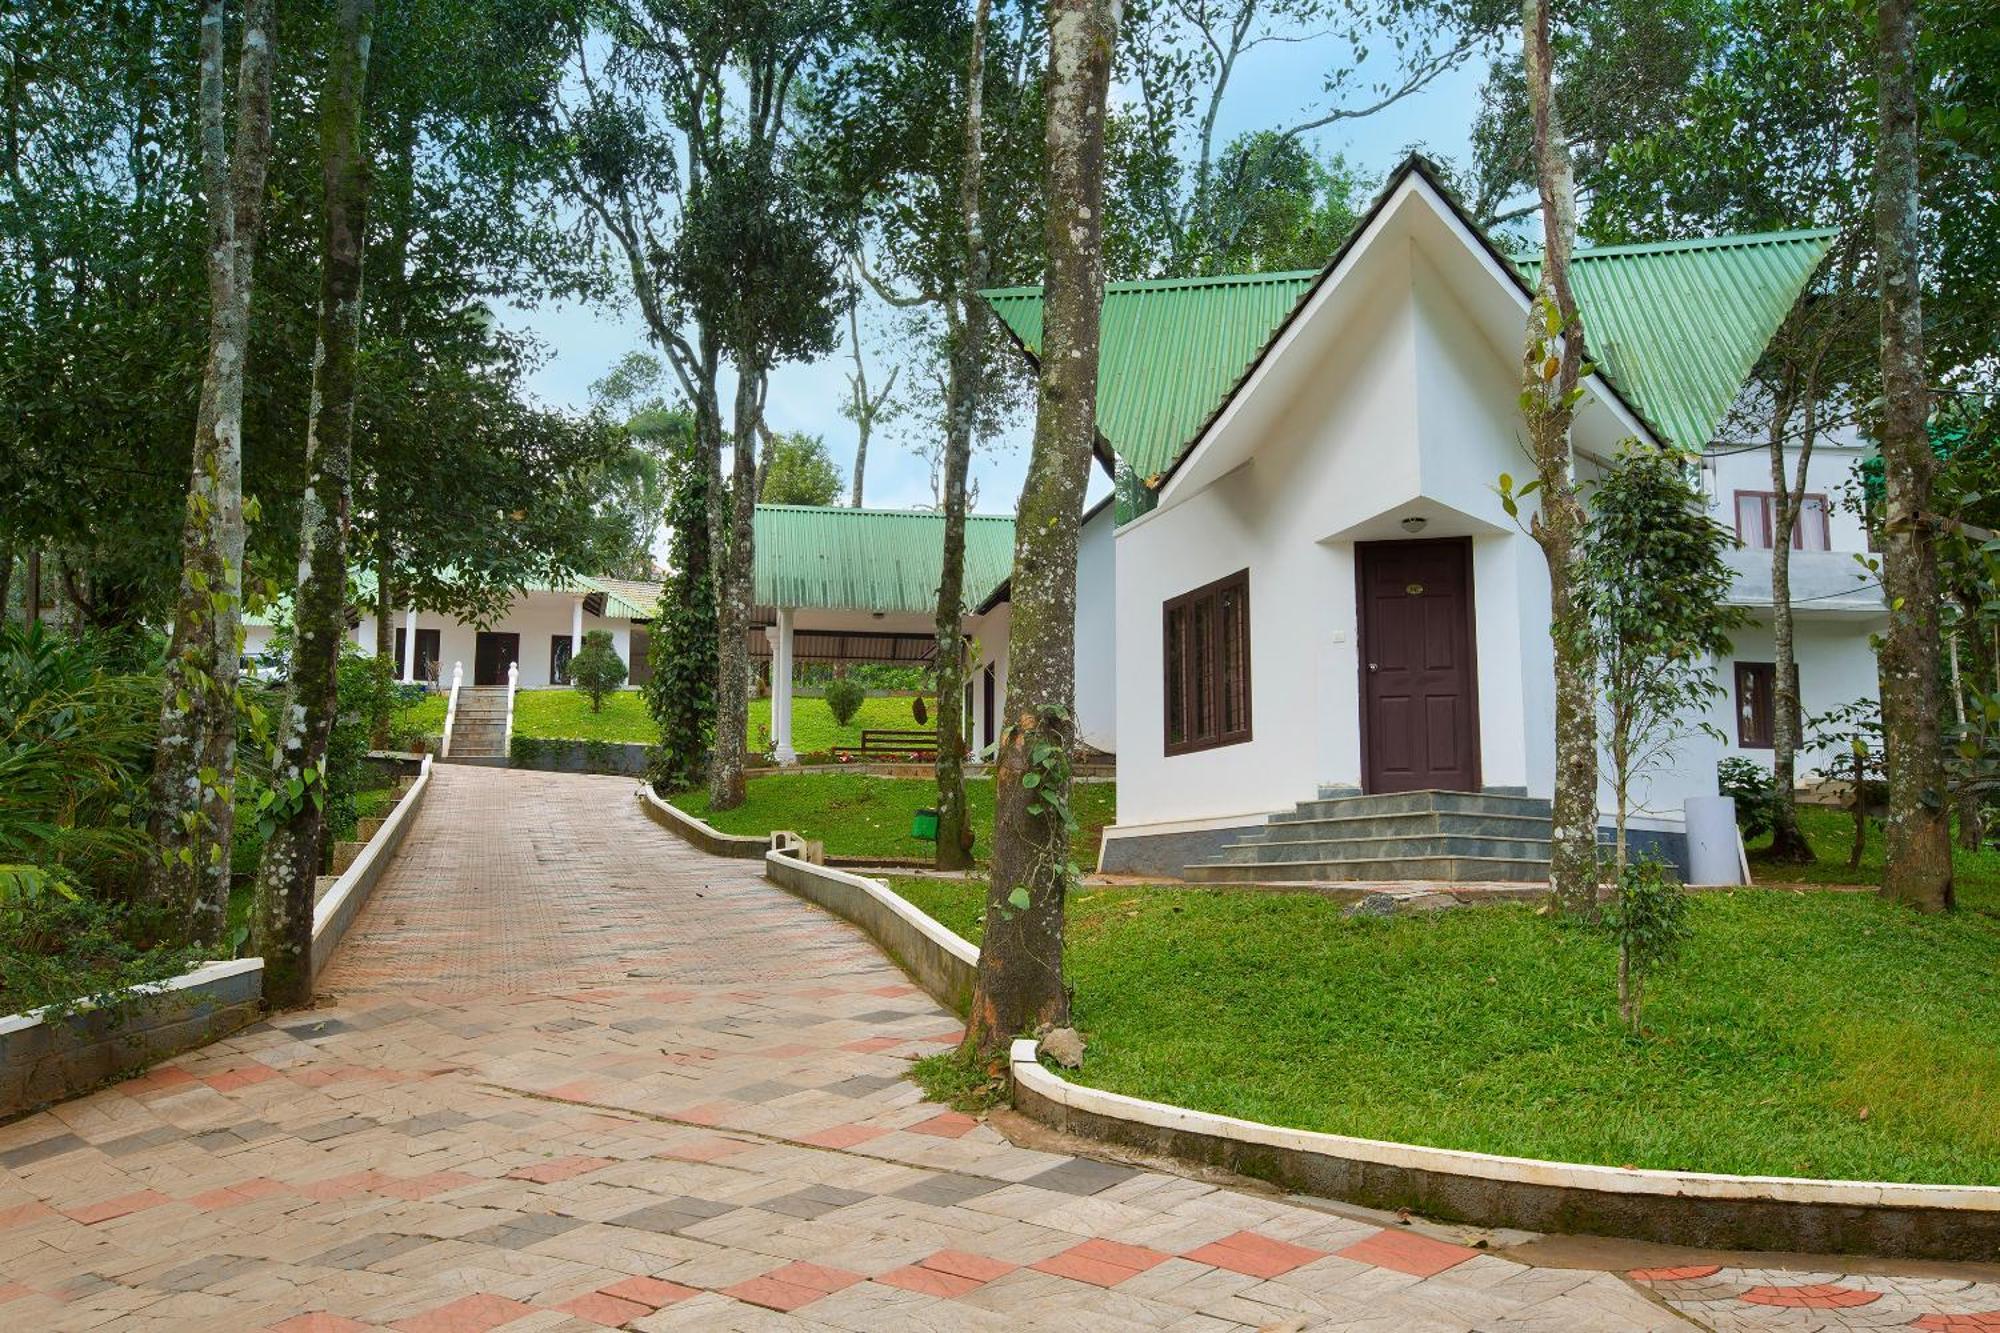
x=862, y=1085
x=40, y=1150
x=368, y=1250
x=673, y=1214
x=156, y=1137
x=947, y=1188
x=333, y=1129
x=201, y=1274
x=813, y=1201
x=528, y=1231
x=1081, y=1176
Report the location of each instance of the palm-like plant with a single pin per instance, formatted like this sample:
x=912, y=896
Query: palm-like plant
x=75, y=739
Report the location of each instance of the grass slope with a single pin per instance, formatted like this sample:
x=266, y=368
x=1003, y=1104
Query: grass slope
x=1806, y=1034
x=856, y=815
x=566, y=715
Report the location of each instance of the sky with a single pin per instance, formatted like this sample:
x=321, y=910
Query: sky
x=1271, y=87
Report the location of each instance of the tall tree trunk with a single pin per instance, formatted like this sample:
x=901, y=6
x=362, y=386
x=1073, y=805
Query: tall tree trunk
x=1788, y=843
x=194, y=768
x=385, y=633
x=6, y=578
x=1551, y=365
x=735, y=588
x=1020, y=983
x=291, y=862
x=1917, y=832
x=1971, y=835
x=954, y=830
x=31, y=592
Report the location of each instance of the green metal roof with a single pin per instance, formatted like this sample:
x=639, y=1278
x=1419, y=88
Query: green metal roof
x=871, y=559
x=1170, y=351
x=1675, y=326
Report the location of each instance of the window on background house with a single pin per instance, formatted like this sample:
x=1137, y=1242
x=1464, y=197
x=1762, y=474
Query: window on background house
x=1206, y=661
x=559, y=647
x=1757, y=705
x=1757, y=521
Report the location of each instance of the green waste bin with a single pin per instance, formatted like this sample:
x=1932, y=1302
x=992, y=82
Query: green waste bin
x=924, y=825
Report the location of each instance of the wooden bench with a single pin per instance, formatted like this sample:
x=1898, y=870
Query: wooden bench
x=890, y=743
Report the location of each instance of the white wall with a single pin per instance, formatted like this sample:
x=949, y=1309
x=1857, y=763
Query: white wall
x=1829, y=472
x=1096, y=632
x=535, y=616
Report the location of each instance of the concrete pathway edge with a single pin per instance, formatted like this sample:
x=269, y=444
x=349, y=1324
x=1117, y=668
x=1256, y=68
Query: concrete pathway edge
x=1706, y=1209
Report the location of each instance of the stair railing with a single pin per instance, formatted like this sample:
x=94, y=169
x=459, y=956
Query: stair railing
x=513, y=684
x=451, y=708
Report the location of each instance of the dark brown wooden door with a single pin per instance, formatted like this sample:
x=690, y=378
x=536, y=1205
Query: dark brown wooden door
x=986, y=705
x=492, y=654
x=427, y=653
x=1419, y=685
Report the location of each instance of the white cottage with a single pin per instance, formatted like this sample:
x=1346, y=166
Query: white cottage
x=1332, y=650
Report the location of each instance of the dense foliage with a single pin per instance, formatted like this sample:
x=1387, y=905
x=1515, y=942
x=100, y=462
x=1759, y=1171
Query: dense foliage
x=597, y=670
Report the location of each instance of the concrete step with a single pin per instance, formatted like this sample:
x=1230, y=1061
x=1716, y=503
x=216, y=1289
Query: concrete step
x=366, y=829
x=323, y=885
x=486, y=760
x=1421, y=847
x=1416, y=802
x=1440, y=869
x=1409, y=824
x=345, y=854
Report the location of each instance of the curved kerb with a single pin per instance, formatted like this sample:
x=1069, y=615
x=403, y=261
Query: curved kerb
x=1703, y=1209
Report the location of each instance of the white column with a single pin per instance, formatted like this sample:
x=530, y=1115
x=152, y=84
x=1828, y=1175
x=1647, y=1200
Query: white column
x=410, y=646
x=575, y=630
x=781, y=689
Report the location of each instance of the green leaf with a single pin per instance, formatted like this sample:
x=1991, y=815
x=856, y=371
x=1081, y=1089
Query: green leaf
x=1019, y=899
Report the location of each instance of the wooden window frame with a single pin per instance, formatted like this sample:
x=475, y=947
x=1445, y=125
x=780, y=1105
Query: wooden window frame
x=558, y=660
x=1178, y=673
x=1769, y=499
x=1747, y=673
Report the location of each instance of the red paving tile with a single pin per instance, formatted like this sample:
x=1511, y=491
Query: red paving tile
x=843, y=1136
x=166, y=1076
x=23, y=1213
x=869, y=1045
x=950, y=1125
x=1958, y=1323
x=1254, y=1255
x=1812, y=1296
x=229, y=1080
x=817, y=1276
x=707, y=1113
x=928, y=1281
x=606, y=1310
x=649, y=1291
x=468, y=1314
x=1408, y=1252
x=772, y=1295
x=1101, y=1263
x=562, y=1168
x=105, y=1210
x=14, y=1291
x=960, y=1264
x=1686, y=1273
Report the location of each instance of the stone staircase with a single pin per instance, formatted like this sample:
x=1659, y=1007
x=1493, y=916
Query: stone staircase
x=1443, y=836
x=479, y=728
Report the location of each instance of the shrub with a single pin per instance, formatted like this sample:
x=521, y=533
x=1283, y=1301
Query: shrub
x=843, y=699
x=596, y=669
x=75, y=950
x=1750, y=785
x=1647, y=916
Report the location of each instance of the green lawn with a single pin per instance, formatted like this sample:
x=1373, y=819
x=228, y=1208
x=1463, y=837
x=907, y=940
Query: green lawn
x=857, y=815
x=1831, y=833
x=1812, y=1034
x=566, y=715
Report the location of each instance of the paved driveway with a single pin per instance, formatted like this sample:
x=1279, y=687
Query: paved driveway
x=572, y=1074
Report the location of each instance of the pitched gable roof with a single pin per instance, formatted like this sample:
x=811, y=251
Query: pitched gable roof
x=871, y=559
x=1675, y=326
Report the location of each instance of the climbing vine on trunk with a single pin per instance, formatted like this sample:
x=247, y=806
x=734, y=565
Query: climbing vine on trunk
x=1020, y=985
x=287, y=875
x=194, y=769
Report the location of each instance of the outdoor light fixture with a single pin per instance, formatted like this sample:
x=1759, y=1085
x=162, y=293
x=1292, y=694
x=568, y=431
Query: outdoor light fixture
x=1414, y=524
